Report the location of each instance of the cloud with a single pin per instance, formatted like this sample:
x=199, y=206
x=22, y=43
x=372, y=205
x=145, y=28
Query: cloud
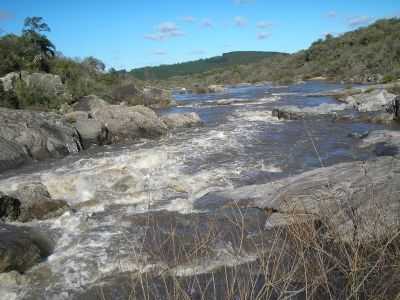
x=165, y=31
x=332, y=14
x=263, y=35
x=189, y=19
x=5, y=15
x=264, y=25
x=240, y=21
x=160, y=52
x=359, y=21
x=207, y=23
x=238, y=2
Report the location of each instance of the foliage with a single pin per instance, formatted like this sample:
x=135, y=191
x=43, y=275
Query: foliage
x=202, y=65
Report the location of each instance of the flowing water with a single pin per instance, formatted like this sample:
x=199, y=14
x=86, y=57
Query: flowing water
x=111, y=188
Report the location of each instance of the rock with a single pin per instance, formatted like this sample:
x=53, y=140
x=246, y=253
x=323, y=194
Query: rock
x=216, y=88
x=12, y=155
x=90, y=103
x=295, y=113
x=50, y=84
x=129, y=123
x=74, y=116
x=388, y=137
x=10, y=208
x=356, y=199
x=92, y=132
x=37, y=135
x=155, y=97
x=36, y=203
x=376, y=100
x=358, y=135
x=182, y=120
x=21, y=248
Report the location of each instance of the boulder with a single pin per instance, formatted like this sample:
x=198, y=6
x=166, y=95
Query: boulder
x=156, y=97
x=129, y=123
x=176, y=120
x=356, y=199
x=291, y=112
x=216, y=88
x=35, y=202
x=74, y=116
x=92, y=132
x=387, y=137
x=36, y=135
x=10, y=208
x=21, y=248
x=90, y=103
x=376, y=100
x=12, y=155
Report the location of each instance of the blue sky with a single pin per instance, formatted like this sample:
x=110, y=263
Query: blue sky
x=135, y=33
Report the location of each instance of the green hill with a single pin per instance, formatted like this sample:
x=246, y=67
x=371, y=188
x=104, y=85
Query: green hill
x=201, y=65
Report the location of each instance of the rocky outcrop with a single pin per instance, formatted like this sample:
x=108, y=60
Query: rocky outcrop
x=34, y=135
x=92, y=132
x=182, y=120
x=216, y=88
x=49, y=84
x=376, y=100
x=21, y=248
x=30, y=202
x=357, y=199
x=156, y=97
x=296, y=113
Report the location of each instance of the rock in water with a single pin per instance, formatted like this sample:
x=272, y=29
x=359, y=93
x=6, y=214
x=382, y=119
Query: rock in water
x=10, y=208
x=21, y=248
x=36, y=135
x=357, y=199
x=376, y=100
x=36, y=203
x=291, y=112
x=182, y=120
x=92, y=132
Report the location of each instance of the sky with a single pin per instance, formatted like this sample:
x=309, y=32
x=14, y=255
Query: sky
x=126, y=34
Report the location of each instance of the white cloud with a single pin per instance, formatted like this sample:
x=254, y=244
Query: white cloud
x=243, y=1
x=332, y=14
x=264, y=24
x=240, y=21
x=189, y=19
x=207, y=23
x=160, y=52
x=165, y=31
x=263, y=35
x=359, y=21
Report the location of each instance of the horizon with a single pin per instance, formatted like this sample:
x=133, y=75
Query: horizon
x=125, y=35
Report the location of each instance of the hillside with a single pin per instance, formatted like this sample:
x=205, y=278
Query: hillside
x=369, y=54
x=202, y=65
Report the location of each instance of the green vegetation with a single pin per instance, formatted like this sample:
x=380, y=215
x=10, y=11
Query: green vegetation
x=370, y=54
x=202, y=65
x=33, y=52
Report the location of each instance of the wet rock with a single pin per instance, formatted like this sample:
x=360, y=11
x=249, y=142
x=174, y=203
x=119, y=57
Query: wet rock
x=216, y=88
x=38, y=135
x=36, y=203
x=295, y=113
x=12, y=155
x=92, y=132
x=182, y=120
x=376, y=100
x=388, y=137
x=10, y=208
x=130, y=123
x=356, y=198
x=358, y=135
x=21, y=248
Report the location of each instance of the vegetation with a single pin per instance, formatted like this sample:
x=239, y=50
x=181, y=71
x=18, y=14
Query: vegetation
x=202, y=65
x=32, y=51
x=370, y=54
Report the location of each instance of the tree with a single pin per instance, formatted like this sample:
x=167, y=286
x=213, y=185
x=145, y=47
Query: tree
x=35, y=24
x=94, y=64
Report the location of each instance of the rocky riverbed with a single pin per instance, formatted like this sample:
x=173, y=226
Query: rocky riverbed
x=112, y=201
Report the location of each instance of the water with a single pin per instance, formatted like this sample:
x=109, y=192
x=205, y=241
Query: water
x=112, y=188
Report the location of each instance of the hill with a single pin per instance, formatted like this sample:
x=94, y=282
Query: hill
x=202, y=65
x=368, y=54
